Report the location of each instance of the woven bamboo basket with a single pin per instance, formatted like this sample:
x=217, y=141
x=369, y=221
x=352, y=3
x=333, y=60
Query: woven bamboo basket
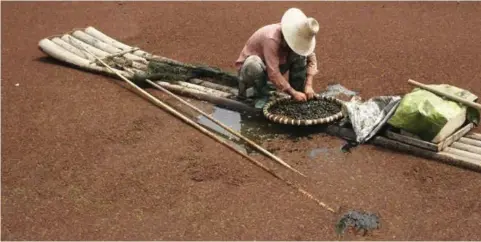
x=301, y=122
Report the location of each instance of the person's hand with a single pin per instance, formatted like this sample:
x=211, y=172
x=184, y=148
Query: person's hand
x=299, y=96
x=309, y=92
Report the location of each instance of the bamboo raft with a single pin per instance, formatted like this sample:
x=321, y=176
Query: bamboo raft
x=462, y=148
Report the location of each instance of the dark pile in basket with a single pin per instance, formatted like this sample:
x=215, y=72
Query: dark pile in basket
x=312, y=109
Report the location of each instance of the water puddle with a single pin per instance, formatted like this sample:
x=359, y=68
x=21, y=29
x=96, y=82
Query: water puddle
x=259, y=130
x=251, y=127
x=314, y=153
x=256, y=128
x=230, y=118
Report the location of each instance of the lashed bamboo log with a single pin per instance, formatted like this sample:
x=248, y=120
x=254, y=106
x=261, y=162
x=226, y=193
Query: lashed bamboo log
x=105, y=47
x=219, y=101
x=80, y=44
x=475, y=136
x=72, y=49
x=101, y=36
x=123, y=52
x=462, y=153
x=106, y=39
x=462, y=161
x=467, y=147
x=229, y=78
x=62, y=54
x=216, y=86
x=83, y=54
x=470, y=141
x=204, y=89
x=210, y=134
x=444, y=156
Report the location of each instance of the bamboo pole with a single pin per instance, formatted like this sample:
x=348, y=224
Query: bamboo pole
x=467, y=147
x=78, y=45
x=473, y=164
x=64, y=44
x=107, y=39
x=475, y=136
x=123, y=52
x=450, y=96
x=82, y=45
x=161, y=104
x=213, y=85
x=259, y=148
x=99, y=39
x=462, y=153
x=64, y=55
x=204, y=89
x=220, y=101
x=470, y=141
x=105, y=47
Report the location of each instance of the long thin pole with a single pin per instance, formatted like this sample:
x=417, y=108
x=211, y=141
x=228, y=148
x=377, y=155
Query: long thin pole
x=452, y=97
x=269, y=154
x=161, y=104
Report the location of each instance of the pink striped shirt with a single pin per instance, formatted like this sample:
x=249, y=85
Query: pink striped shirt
x=268, y=45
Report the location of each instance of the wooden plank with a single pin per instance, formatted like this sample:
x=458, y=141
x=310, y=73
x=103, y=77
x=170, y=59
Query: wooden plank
x=412, y=141
x=475, y=136
x=470, y=141
x=455, y=137
x=466, y=147
x=462, y=153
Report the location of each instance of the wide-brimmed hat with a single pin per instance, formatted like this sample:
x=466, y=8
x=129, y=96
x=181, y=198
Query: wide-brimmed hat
x=299, y=31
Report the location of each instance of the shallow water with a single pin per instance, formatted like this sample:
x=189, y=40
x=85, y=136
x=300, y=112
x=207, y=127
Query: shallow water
x=259, y=129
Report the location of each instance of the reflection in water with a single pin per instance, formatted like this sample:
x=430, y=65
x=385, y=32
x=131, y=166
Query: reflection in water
x=229, y=118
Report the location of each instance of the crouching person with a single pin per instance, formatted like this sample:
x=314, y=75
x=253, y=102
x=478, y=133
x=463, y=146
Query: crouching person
x=275, y=49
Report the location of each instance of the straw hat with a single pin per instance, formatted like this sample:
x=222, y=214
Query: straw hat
x=299, y=31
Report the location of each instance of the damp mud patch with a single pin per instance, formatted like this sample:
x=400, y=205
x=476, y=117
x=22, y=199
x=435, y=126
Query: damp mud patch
x=313, y=109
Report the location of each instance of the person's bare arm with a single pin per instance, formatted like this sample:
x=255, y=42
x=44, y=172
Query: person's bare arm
x=311, y=72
